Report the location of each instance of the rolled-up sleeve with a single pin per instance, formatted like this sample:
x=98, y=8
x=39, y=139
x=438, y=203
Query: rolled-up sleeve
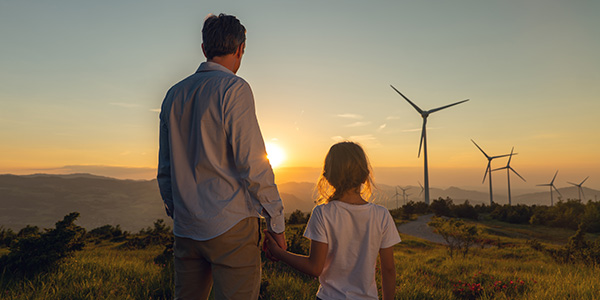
x=249, y=153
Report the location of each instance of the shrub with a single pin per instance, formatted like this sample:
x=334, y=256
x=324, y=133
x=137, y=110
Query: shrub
x=465, y=211
x=160, y=234
x=36, y=253
x=577, y=250
x=441, y=207
x=107, y=232
x=298, y=217
x=458, y=235
x=7, y=236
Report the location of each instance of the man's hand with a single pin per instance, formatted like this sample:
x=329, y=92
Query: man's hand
x=280, y=239
x=272, y=244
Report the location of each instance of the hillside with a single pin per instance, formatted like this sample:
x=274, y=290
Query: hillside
x=42, y=199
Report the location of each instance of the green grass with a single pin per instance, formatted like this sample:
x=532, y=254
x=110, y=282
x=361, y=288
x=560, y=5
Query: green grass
x=424, y=271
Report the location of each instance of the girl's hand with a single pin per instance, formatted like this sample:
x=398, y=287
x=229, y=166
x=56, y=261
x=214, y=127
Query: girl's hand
x=271, y=247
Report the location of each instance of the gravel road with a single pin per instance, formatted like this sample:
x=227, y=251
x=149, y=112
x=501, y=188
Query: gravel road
x=420, y=229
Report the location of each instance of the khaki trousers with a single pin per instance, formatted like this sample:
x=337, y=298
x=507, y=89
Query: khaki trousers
x=229, y=263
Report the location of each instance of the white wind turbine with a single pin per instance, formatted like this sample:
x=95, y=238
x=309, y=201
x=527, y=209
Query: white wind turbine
x=551, y=185
x=508, y=169
x=404, y=193
x=396, y=195
x=579, y=187
x=488, y=169
x=423, y=143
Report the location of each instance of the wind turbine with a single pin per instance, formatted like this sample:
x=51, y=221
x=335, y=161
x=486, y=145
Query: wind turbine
x=508, y=169
x=579, y=188
x=396, y=195
x=404, y=193
x=423, y=143
x=551, y=185
x=488, y=169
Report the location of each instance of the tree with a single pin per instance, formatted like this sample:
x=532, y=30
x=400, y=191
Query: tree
x=458, y=235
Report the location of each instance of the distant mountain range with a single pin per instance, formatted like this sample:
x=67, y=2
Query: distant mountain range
x=41, y=200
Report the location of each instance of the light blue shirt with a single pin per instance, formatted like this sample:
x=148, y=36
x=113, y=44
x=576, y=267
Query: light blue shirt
x=213, y=169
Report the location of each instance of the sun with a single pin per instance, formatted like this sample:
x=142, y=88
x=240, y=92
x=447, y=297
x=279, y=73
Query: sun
x=275, y=154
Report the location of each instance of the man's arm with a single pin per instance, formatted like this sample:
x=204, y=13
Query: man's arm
x=388, y=273
x=164, y=164
x=250, y=155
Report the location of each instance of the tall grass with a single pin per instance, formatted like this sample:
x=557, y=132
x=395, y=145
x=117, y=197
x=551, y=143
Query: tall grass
x=424, y=271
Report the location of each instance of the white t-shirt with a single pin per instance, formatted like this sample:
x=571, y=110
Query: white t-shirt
x=354, y=234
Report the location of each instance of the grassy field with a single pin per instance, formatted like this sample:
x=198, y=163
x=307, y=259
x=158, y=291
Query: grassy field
x=425, y=271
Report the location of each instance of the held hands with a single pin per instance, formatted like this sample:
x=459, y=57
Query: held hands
x=274, y=244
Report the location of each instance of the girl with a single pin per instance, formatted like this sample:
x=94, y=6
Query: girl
x=346, y=232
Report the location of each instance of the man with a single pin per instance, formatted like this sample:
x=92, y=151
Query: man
x=213, y=173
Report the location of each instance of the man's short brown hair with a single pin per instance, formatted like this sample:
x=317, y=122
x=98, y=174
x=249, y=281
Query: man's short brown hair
x=222, y=35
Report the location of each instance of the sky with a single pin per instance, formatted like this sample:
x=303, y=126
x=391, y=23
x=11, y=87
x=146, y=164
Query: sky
x=81, y=83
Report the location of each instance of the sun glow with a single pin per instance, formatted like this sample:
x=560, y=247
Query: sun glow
x=275, y=154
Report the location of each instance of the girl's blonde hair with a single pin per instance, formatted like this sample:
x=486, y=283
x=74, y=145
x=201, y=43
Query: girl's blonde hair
x=346, y=168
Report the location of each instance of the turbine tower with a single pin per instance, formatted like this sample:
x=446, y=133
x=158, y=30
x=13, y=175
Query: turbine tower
x=423, y=143
x=551, y=185
x=488, y=169
x=508, y=169
x=579, y=187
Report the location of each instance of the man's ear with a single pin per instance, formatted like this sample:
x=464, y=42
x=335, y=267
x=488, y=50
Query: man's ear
x=240, y=50
x=203, y=51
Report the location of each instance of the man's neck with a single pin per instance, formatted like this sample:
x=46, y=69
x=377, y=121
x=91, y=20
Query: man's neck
x=227, y=61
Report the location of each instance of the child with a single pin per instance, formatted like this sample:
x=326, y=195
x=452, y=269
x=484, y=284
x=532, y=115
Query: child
x=346, y=232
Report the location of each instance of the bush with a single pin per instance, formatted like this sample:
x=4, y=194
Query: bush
x=107, y=232
x=465, y=211
x=298, y=217
x=35, y=253
x=458, y=235
x=7, y=236
x=577, y=250
x=441, y=207
x=160, y=234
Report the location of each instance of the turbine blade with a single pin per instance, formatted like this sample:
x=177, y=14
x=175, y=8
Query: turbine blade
x=499, y=156
x=552, y=182
x=411, y=103
x=422, y=136
x=487, y=169
x=443, y=107
x=500, y=169
x=575, y=184
x=582, y=193
x=517, y=173
x=557, y=190
x=584, y=180
x=547, y=184
x=480, y=149
x=510, y=157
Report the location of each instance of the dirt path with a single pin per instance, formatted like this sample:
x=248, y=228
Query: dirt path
x=420, y=229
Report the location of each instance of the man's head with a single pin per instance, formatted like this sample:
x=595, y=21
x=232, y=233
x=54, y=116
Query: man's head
x=222, y=35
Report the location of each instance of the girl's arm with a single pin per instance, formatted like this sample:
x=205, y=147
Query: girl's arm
x=388, y=272
x=311, y=264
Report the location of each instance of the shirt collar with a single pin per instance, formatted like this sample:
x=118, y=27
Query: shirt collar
x=212, y=66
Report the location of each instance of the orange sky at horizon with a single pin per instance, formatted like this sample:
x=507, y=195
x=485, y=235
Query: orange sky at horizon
x=72, y=104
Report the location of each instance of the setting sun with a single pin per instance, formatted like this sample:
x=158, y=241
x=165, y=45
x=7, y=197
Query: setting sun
x=275, y=154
